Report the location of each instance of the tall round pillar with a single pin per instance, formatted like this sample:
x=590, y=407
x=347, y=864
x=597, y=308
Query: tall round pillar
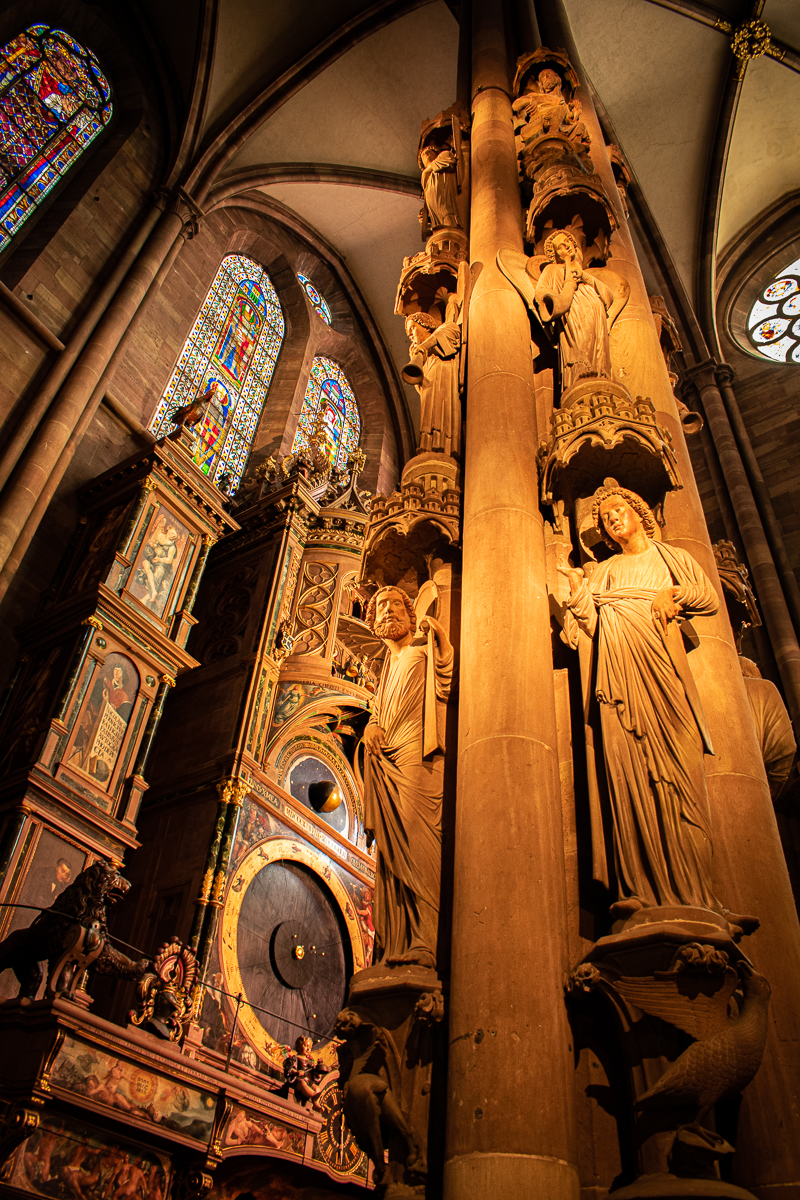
x=750, y=873
x=510, y=1118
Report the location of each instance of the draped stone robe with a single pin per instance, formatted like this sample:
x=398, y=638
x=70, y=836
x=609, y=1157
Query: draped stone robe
x=653, y=729
x=583, y=309
x=440, y=404
x=403, y=787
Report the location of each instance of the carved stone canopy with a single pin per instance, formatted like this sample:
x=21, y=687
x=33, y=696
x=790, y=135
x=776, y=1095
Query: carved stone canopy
x=427, y=280
x=440, y=131
x=604, y=431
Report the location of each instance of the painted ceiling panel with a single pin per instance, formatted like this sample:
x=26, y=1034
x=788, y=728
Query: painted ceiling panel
x=660, y=77
x=366, y=109
x=372, y=230
x=783, y=19
x=764, y=157
x=257, y=40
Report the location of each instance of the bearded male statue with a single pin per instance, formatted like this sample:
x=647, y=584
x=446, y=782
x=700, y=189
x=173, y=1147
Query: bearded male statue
x=654, y=732
x=403, y=779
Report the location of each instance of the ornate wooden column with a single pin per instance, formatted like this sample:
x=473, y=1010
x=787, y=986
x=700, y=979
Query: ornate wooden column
x=508, y=1023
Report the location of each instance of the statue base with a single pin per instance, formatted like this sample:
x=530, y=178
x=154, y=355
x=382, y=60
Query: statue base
x=656, y=1187
x=393, y=1055
x=691, y=1017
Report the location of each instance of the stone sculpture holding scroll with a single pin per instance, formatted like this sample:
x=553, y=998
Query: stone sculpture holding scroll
x=654, y=732
x=403, y=779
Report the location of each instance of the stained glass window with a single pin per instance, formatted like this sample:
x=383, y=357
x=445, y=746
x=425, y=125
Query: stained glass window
x=54, y=101
x=230, y=351
x=320, y=307
x=774, y=321
x=330, y=410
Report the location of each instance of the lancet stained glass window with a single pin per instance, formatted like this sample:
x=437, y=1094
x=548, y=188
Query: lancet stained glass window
x=330, y=409
x=774, y=321
x=320, y=307
x=231, y=350
x=54, y=101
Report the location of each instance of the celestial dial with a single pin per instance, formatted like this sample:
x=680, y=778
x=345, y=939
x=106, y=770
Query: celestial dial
x=335, y=1141
x=291, y=952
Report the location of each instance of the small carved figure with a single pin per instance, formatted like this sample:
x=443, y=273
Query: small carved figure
x=71, y=935
x=434, y=370
x=369, y=1103
x=403, y=778
x=439, y=186
x=303, y=1073
x=653, y=728
x=575, y=306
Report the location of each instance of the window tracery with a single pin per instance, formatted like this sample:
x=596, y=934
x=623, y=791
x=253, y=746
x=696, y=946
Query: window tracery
x=773, y=324
x=54, y=101
x=329, y=413
x=231, y=350
x=320, y=306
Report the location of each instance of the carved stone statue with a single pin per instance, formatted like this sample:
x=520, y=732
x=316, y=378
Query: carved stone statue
x=434, y=371
x=368, y=1076
x=543, y=109
x=654, y=732
x=403, y=779
x=773, y=726
x=443, y=159
x=303, y=1073
x=439, y=186
x=574, y=304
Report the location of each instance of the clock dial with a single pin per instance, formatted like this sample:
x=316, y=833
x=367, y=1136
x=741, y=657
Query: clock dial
x=291, y=952
x=335, y=1141
x=289, y=941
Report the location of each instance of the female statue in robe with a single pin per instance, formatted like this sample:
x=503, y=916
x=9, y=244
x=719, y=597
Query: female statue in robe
x=653, y=730
x=580, y=303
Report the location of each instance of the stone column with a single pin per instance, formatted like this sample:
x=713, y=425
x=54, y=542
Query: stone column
x=759, y=557
x=749, y=867
x=510, y=1107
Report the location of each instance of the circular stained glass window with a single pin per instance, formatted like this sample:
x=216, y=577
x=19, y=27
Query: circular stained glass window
x=320, y=307
x=771, y=330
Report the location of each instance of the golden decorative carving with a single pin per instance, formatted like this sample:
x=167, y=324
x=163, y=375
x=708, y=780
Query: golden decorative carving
x=168, y=680
x=95, y=623
x=166, y=992
x=750, y=40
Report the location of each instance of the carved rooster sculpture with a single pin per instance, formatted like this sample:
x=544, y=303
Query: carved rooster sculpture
x=188, y=415
x=730, y=1037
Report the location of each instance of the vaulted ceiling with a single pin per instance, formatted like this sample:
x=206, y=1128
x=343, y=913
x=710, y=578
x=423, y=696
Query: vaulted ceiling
x=334, y=94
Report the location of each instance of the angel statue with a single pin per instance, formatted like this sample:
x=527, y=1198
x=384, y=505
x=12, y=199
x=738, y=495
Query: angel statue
x=574, y=307
x=653, y=729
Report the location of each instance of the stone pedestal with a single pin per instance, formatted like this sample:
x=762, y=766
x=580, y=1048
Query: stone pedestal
x=393, y=1055
x=691, y=1016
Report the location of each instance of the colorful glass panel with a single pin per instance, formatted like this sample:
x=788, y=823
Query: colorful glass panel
x=231, y=349
x=330, y=411
x=779, y=302
x=54, y=101
x=320, y=307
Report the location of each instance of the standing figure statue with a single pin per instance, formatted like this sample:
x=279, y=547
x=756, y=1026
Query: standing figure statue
x=577, y=304
x=654, y=732
x=440, y=187
x=434, y=371
x=403, y=779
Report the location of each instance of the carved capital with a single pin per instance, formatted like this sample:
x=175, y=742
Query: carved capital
x=233, y=790
x=701, y=375
x=95, y=623
x=726, y=375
